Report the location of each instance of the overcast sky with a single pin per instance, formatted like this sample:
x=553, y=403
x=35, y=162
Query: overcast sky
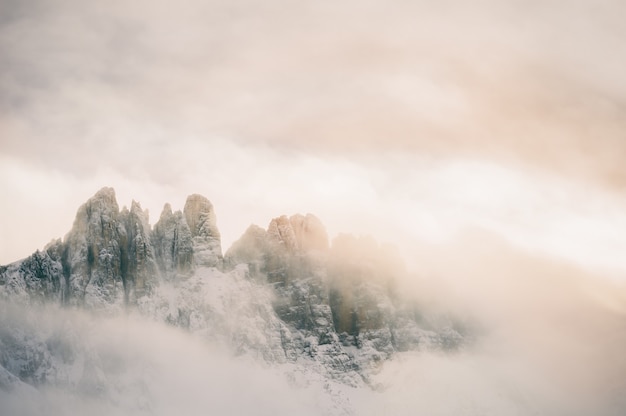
x=408, y=120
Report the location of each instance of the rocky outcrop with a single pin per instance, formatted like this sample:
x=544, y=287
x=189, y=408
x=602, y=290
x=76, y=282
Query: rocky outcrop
x=298, y=233
x=37, y=278
x=113, y=257
x=107, y=257
x=138, y=260
x=91, y=256
x=338, y=297
x=282, y=293
x=202, y=222
x=171, y=239
x=287, y=250
x=309, y=232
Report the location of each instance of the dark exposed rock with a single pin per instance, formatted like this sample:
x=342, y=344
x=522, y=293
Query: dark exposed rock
x=289, y=255
x=94, y=253
x=138, y=261
x=172, y=243
x=113, y=257
x=38, y=278
x=337, y=297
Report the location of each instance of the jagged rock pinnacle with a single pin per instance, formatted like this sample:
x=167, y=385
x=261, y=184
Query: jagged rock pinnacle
x=111, y=256
x=200, y=217
x=173, y=245
x=298, y=233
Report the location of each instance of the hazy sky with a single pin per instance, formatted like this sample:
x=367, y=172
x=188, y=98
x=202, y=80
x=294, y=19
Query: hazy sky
x=408, y=120
x=464, y=132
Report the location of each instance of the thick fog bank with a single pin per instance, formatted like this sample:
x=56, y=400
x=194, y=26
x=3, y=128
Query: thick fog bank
x=548, y=341
x=79, y=363
x=549, y=333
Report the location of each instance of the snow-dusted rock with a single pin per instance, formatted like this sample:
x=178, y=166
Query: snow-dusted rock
x=92, y=254
x=202, y=222
x=36, y=279
x=281, y=295
x=138, y=261
x=112, y=257
x=339, y=304
x=171, y=239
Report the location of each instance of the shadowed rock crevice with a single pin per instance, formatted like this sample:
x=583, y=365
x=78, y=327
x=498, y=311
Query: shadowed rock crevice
x=173, y=247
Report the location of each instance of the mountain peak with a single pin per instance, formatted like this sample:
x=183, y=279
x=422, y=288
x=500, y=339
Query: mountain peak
x=102, y=201
x=200, y=217
x=288, y=296
x=105, y=192
x=167, y=210
x=135, y=206
x=111, y=256
x=298, y=232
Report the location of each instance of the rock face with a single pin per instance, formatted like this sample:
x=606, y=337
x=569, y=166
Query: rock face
x=298, y=233
x=283, y=251
x=283, y=294
x=200, y=218
x=92, y=256
x=107, y=257
x=172, y=243
x=38, y=278
x=114, y=257
x=338, y=303
x=138, y=265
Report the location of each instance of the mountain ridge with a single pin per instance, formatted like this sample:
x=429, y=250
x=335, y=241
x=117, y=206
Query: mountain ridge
x=282, y=294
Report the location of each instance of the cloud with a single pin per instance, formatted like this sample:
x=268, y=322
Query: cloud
x=550, y=334
x=540, y=83
x=356, y=112
x=548, y=340
x=411, y=121
x=132, y=366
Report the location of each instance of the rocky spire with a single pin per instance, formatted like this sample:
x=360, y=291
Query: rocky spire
x=92, y=257
x=298, y=233
x=113, y=257
x=286, y=249
x=138, y=263
x=202, y=222
x=309, y=232
x=172, y=243
x=200, y=217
